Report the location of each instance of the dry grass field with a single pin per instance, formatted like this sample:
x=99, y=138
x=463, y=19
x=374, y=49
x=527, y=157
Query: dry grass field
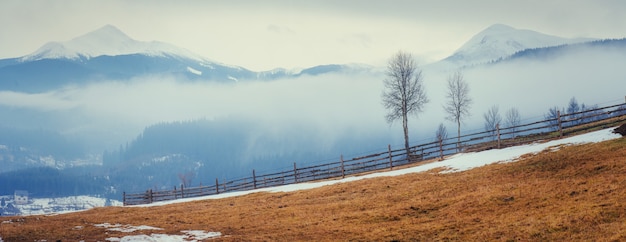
x=577, y=193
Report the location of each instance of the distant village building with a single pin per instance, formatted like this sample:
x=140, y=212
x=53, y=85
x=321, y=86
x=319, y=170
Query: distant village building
x=21, y=197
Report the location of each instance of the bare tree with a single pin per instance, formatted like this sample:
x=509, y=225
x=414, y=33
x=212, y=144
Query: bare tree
x=591, y=113
x=492, y=119
x=442, y=134
x=404, y=92
x=513, y=120
x=572, y=109
x=552, y=116
x=186, y=178
x=459, y=102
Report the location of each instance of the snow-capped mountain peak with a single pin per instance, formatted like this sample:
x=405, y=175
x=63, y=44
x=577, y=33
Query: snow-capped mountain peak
x=499, y=40
x=107, y=40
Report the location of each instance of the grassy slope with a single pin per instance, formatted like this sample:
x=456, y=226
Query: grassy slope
x=576, y=193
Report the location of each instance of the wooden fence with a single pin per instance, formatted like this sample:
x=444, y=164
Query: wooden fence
x=550, y=128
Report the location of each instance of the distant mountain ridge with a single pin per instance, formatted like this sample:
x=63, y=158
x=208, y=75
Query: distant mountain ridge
x=499, y=41
x=106, y=41
x=109, y=54
x=545, y=52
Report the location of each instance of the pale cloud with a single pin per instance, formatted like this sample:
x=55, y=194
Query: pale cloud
x=362, y=39
x=50, y=101
x=279, y=29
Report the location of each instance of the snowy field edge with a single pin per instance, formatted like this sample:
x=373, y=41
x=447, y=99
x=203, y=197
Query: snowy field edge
x=455, y=163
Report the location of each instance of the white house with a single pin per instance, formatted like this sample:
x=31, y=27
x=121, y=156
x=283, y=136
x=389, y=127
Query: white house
x=21, y=197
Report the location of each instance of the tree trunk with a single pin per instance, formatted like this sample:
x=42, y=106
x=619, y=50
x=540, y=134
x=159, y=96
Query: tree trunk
x=405, y=126
x=458, y=132
x=440, y=149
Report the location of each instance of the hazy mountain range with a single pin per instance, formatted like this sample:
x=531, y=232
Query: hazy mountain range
x=108, y=53
x=115, y=114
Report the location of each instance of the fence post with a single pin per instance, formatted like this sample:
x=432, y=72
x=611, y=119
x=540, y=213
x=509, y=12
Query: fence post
x=182, y=191
x=498, y=133
x=558, y=117
x=390, y=157
x=150, y=196
x=295, y=173
x=217, y=187
x=253, y=179
x=440, y=149
x=175, y=194
x=124, y=198
x=343, y=171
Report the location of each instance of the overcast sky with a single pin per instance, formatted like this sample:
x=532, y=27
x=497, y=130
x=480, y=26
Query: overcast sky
x=262, y=35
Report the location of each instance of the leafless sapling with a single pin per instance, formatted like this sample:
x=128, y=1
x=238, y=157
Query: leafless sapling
x=458, y=105
x=492, y=120
x=442, y=134
x=513, y=120
x=404, y=92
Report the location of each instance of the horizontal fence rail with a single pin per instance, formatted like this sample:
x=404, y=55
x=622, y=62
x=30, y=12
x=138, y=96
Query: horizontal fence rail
x=550, y=128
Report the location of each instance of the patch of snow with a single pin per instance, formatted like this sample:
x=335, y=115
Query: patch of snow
x=207, y=65
x=194, y=71
x=455, y=163
x=201, y=234
x=47, y=160
x=189, y=235
x=211, y=64
x=232, y=78
x=125, y=228
x=107, y=225
x=275, y=71
x=39, y=206
x=153, y=237
x=166, y=158
x=147, y=238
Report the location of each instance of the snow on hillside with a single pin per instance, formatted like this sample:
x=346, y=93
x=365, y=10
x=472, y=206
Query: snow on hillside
x=38, y=206
x=499, y=40
x=107, y=40
x=194, y=71
x=456, y=163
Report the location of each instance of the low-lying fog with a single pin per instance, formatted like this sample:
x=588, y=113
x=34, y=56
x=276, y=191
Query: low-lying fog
x=326, y=107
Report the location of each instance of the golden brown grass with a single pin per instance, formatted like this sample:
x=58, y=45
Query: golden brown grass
x=575, y=194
